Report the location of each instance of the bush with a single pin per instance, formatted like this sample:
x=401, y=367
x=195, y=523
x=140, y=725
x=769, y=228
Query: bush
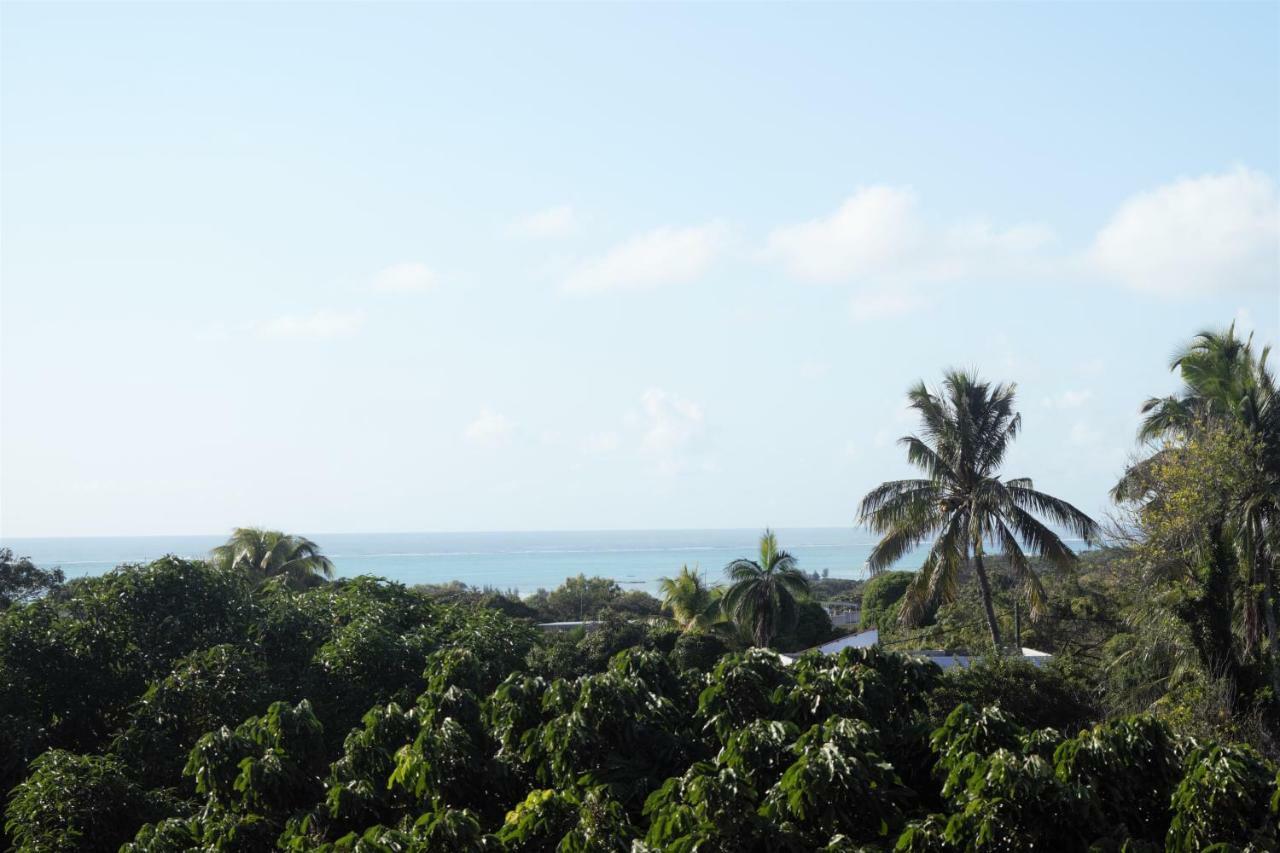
x=812, y=628
x=1033, y=696
x=698, y=650
x=76, y=802
x=880, y=598
x=71, y=669
x=1227, y=796
x=206, y=690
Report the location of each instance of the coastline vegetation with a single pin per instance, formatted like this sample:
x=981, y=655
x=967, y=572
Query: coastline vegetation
x=250, y=702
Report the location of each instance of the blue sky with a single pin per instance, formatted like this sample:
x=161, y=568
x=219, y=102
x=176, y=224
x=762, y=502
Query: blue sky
x=414, y=267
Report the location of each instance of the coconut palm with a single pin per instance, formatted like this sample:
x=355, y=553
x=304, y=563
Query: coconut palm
x=963, y=504
x=762, y=596
x=693, y=605
x=269, y=553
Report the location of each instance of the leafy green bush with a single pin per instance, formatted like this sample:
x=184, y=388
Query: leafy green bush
x=1037, y=697
x=880, y=598
x=1226, y=797
x=812, y=628
x=206, y=690
x=76, y=802
x=698, y=650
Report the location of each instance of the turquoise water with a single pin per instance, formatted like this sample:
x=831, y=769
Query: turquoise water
x=521, y=561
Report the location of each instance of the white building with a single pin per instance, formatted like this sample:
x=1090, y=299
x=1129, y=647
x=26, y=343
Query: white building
x=944, y=659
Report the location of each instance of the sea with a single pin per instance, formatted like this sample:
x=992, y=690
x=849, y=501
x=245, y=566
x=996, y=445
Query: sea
x=520, y=561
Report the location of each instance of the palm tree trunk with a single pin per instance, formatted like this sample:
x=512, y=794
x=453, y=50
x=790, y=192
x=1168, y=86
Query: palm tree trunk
x=1269, y=612
x=1252, y=595
x=1017, y=624
x=984, y=586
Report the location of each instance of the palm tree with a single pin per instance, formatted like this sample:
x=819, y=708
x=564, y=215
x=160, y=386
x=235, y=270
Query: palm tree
x=966, y=427
x=1226, y=382
x=269, y=553
x=694, y=605
x=762, y=597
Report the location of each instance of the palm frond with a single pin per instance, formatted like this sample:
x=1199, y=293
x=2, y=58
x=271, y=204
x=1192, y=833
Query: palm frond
x=1028, y=580
x=1043, y=541
x=1056, y=510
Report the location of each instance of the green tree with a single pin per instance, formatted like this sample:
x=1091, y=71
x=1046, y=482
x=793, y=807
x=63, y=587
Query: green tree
x=579, y=598
x=762, y=596
x=267, y=554
x=1183, y=500
x=76, y=802
x=836, y=764
x=22, y=581
x=812, y=627
x=1227, y=385
x=694, y=605
x=963, y=504
x=1225, y=798
x=880, y=598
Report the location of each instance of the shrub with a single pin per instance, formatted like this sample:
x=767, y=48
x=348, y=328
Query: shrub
x=1033, y=696
x=812, y=628
x=880, y=598
x=76, y=802
x=698, y=650
x=1225, y=798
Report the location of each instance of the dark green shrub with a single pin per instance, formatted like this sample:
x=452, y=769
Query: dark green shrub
x=206, y=690
x=1035, y=697
x=698, y=651
x=77, y=802
x=837, y=764
x=812, y=627
x=1129, y=769
x=1225, y=798
x=880, y=598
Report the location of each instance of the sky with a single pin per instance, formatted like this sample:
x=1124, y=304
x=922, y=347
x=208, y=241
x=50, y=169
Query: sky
x=402, y=267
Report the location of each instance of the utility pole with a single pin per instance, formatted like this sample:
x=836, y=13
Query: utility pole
x=1017, y=626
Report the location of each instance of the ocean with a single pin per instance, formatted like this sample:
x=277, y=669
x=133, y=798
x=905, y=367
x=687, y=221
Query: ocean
x=525, y=562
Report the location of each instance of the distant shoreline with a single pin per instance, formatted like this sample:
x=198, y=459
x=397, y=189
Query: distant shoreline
x=522, y=561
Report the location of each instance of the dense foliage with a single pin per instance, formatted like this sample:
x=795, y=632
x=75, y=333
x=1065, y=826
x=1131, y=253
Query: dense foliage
x=177, y=705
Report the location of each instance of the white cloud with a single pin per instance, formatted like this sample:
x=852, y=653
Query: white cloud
x=671, y=427
x=874, y=305
x=558, y=221
x=877, y=234
x=317, y=325
x=871, y=232
x=671, y=421
x=1067, y=400
x=405, y=278
x=660, y=257
x=1196, y=235
x=489, y=429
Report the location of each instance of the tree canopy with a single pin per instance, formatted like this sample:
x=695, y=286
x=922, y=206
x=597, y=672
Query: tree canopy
x=963, y=504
